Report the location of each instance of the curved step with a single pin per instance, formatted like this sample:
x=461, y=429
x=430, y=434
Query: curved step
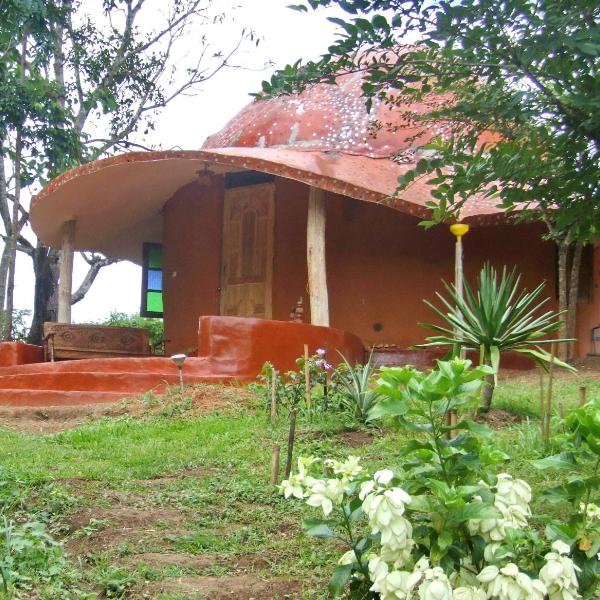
x=193, y=366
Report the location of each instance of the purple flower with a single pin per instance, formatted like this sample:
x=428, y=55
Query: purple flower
x=327, y=366
x=320, y=362
x=321, y=352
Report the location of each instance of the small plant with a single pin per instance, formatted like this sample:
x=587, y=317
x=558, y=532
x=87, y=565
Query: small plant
x=445, y=525
x=493, y=319
x=357, y=393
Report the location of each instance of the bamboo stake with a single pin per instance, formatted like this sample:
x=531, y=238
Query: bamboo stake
x=290, y=446
x=307, y=378
x=549, y=398
x=582, y=393
x=542, y=405
x=275, y=463
x=273, y=397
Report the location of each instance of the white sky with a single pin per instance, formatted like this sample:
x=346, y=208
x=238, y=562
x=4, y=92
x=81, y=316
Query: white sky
x=287, y=36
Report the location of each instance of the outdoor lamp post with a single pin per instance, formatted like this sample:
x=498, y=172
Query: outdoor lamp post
x=179, y=359
x=458, y=230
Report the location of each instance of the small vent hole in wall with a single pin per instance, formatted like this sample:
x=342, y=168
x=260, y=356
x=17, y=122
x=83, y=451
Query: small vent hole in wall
x=377, y=327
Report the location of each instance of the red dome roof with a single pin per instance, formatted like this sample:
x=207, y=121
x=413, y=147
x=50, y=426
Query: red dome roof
x=328, y=118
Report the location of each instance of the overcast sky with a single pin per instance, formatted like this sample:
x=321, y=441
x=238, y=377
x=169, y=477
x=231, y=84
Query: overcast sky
x=287, y=36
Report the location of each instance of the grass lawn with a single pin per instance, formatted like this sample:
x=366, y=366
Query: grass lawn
x=175, y=504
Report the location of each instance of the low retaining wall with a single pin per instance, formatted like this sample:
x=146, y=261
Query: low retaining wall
x=240, y=346
x=19, y=353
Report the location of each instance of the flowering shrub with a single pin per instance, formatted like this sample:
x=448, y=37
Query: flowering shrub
x=445, y=525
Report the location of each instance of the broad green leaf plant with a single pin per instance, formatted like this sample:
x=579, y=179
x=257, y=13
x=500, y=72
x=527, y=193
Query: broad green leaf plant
x=495, y=318
x=445, y=525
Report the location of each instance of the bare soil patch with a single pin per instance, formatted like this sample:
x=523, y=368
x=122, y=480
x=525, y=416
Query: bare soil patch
x=356, y=439
x=236, y=587
x=197, y=399
x=498, y=418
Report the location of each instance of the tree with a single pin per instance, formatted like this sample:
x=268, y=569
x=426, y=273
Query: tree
x=108, y=74
x=526, y=70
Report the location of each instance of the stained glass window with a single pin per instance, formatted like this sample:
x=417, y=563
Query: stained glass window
x=152, y=288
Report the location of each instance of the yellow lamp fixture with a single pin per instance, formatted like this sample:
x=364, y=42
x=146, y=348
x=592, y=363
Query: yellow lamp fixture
x=459, y=229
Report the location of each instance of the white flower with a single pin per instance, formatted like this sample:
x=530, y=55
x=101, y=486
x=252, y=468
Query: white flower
x=508, y=583
x=384, y=476
x=348, y=558
x=325, y=494
x=512, y=501
x=469, y=593
x=383, y=508
x=397, y=534
x=397, y=585
x=559, y=574
x=591, y=511
x=560, y=547
x=292, y=487
x=512, y=491
x=348, y=469
x=435, y=585
x=398, y=556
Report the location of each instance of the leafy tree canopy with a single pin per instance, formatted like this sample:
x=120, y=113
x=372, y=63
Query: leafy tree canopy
x=526, y=70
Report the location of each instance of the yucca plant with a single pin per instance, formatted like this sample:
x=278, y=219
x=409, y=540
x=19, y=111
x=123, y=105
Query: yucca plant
x=359, y=395
x=496, y=318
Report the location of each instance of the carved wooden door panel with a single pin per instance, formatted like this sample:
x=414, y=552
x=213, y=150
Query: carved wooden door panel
x=247, y=269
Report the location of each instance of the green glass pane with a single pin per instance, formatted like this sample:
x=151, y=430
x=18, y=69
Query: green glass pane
x=155, y=258
x=154, y=302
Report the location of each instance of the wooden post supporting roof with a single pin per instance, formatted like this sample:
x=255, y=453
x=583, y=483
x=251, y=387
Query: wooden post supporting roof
x=315, y=254
x=65, y=280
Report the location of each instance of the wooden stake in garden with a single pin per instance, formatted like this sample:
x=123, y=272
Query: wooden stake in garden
x=582, y=393
x=290, y=446
x=275, y=463
x=273, y=396
x=549, y=396
x=307, y=377
x=542, y=405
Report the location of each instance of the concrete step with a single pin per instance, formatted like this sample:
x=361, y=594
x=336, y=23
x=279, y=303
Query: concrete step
x=193, y=365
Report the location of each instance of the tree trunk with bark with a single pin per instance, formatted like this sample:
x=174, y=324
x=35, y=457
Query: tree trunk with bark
x=45, y=267
x=571, y=316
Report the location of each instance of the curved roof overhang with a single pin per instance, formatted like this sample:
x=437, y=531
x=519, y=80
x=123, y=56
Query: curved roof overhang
x=117, y=202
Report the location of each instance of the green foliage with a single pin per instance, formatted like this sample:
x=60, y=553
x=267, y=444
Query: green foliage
x=360, y=396
x=155, y=326
x=446, y=505
x=579, y=461
x=20, y=323
x=495, y=318
x=526, y=70
x=345, y=389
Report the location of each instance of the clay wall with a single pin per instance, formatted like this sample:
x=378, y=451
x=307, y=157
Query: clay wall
x=380, y=263
x=192, y=263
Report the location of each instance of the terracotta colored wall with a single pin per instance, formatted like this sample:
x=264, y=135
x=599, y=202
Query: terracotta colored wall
x=18, y=353
x=380, y=263
x=289, y=261
x=240, y=347
x=192, y=262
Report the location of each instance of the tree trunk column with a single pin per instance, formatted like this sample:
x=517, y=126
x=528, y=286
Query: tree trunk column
x=65, y=282
x=315, y=255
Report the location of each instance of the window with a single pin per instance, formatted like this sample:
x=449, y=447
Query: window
x=152, y=281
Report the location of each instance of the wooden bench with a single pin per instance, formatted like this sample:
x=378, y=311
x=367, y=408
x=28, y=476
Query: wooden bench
x=64, y=341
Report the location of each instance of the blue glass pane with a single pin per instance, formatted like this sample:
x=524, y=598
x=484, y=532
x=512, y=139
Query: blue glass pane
x=154, y=280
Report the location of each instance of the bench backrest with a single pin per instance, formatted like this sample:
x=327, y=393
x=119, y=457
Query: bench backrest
x=69, y=341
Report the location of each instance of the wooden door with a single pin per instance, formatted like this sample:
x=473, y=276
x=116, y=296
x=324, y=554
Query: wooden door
x=247, y=269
